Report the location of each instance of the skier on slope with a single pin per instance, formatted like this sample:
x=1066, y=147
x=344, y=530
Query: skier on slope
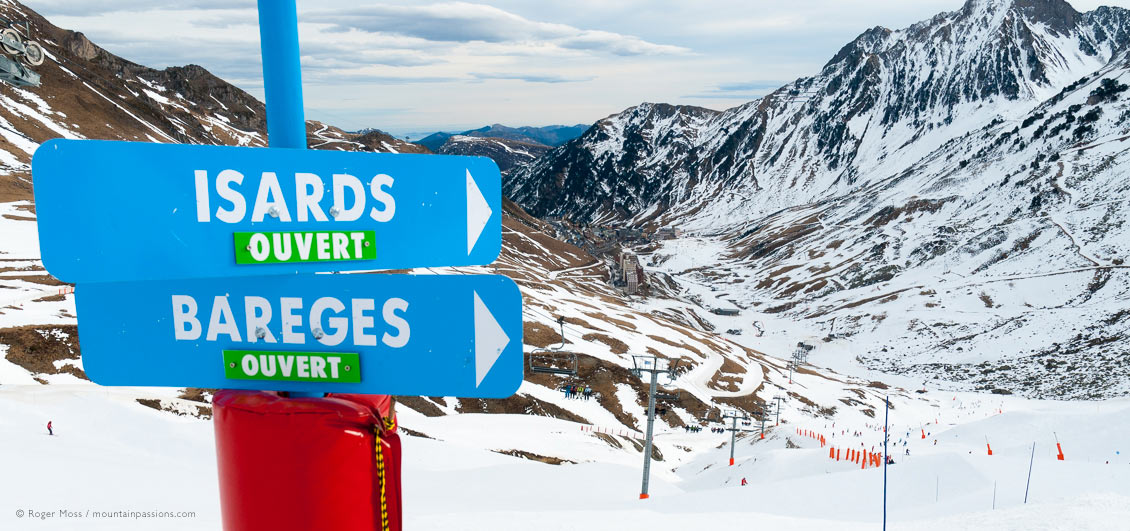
x=49, y=431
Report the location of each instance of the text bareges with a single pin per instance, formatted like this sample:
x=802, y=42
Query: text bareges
x=458, y=335
x=111, y=211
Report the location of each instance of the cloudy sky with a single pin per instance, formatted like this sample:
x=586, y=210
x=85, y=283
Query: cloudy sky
x=417, y=66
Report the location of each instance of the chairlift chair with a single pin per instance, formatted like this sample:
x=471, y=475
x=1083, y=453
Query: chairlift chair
x=549, y=360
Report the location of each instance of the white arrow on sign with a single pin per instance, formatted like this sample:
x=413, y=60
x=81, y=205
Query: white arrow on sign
x=490, y=340
x=478, y=212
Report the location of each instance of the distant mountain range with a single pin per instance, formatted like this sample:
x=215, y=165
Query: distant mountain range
x=550, y=135
x=507, y=153
x=949, y=199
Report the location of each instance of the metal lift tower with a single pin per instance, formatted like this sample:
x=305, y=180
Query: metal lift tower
x=734, y=416
x=650, y=364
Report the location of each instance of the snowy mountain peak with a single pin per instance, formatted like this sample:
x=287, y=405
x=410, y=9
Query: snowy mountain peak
x=1056, y=13
x=963, y=143
x=883, y=100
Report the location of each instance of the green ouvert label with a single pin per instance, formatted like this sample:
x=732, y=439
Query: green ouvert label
x=304, y=246
x=334, y=367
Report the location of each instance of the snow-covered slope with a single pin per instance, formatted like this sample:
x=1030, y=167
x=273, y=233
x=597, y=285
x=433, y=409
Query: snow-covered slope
x=947, y=200
x=999, y=260
x=880, y=104
x=112, y=454
x=624, y=165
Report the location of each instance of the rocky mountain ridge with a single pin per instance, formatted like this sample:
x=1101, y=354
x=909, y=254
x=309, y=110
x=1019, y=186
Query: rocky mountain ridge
x=508, y=154
x=550, y=135
x=944, y=201
x=881, y=103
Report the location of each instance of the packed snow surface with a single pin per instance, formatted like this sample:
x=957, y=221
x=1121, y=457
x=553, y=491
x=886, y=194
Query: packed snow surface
x=111, y=453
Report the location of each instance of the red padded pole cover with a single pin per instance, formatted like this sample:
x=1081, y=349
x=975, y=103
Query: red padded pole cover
x=381, y=405
x=303, y=463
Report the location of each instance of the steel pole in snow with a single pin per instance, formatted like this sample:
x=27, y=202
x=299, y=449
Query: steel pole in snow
x=1030, y=461
x=733, y=436
x=886, y=435
x=778, y=422
x=650, y=425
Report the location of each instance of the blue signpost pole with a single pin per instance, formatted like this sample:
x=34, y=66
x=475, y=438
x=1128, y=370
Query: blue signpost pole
x=1031, y=459
x=282, y=81
x=282, y=74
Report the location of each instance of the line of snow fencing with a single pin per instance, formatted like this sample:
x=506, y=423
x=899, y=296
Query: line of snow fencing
x=863, y=458
x=38, y=294
x=612, y=431
x=818, y=437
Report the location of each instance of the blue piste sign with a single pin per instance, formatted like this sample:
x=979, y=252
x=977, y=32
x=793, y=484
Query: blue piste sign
x=432, y=335
x=195, y=264
x=112, y=211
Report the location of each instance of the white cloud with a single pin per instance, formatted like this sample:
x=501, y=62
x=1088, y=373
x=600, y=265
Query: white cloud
x=76, y=8
x=414, y=65
x=464, y=22
x=532, y=77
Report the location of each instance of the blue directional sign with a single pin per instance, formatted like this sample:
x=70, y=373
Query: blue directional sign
x=431, y=335
x=111, y=211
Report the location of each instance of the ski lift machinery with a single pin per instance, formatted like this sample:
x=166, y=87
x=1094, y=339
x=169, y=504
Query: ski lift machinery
x=549, y=360
x=26, y=52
